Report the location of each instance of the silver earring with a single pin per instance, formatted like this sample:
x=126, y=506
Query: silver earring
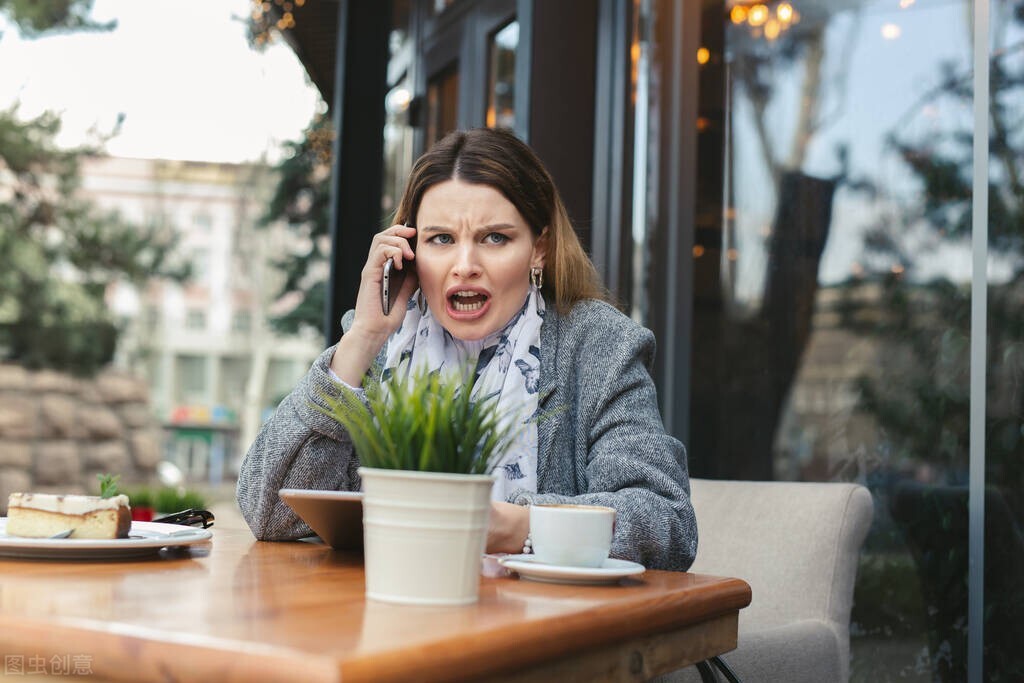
x=421, y=302
x=537, y=277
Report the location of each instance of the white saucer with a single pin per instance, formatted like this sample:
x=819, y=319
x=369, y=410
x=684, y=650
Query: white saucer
x=144, y=538
x=529, y=567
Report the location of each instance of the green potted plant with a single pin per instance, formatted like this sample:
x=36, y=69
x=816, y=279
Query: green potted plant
x=427, y=450
x=142, y=505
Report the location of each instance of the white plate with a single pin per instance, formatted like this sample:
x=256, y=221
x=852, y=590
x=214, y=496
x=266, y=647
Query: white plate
x=144, y=538
x=529, y=567
x=335, y=516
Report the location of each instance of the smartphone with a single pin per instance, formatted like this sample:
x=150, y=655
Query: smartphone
x=390, y=284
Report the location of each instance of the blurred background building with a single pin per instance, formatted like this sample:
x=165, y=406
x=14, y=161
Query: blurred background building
x=214, y=366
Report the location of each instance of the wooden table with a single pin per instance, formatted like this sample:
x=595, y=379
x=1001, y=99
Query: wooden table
x=239, y=610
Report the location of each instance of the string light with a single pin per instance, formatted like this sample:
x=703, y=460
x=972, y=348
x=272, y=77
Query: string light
x=264, y=19
x=769, y=19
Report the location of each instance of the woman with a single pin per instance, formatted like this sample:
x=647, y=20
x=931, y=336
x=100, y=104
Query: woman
x=500, y=280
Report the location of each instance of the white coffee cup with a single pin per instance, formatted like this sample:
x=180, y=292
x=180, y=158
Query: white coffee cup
x=572, y=535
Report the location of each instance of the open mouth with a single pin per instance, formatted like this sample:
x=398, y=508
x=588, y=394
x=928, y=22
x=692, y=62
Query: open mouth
x=466, y=301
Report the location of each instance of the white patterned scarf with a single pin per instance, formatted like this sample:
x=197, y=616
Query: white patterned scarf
x=507, y=365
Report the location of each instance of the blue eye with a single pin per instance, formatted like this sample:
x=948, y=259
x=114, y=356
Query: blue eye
x=496, y=238
x=441, y=239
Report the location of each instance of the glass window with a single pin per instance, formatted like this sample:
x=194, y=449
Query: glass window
x=200, y=265
x=832, y=292
x=241, y=321
x=203, y=221
x=398, y=144
x=195, y=319
x=191, y=379
x=1004, y=429
x=438, y=6
x=442, y=104
x=501, y=77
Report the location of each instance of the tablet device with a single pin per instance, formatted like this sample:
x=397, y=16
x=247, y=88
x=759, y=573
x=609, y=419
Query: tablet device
x=335, y=516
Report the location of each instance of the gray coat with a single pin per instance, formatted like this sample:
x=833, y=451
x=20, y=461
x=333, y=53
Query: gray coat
x=604, y=444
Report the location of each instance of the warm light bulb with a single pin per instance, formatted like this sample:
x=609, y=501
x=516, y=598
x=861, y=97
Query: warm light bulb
x=758, y=15
x=784, y=12
x=698, y=250
x=771, y=29
x=703, y=55
x=398, y=100
x=738, y=14
x=891, y=31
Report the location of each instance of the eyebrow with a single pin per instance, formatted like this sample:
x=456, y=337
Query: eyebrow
x=484, y=228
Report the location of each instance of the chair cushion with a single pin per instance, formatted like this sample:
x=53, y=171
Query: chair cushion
x=801, y=652
x=795, y=543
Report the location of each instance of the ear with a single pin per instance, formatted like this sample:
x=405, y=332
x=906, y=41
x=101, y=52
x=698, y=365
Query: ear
x=540, y=249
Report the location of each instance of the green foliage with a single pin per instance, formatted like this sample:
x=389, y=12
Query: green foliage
x=59, y=252
x=920, y=395
x=302, y=200
x=108, y=485
x=169, y=499
x=165, y=499
x=140, y=498
x=38, y=17
x=423, y=424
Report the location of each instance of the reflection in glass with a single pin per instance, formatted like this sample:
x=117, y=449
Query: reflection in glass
x=398, y=129
x=501, y=78
x=398, y=144
x=442, y=104
x=832, y=292
x=438, y=6
x=1004, y=443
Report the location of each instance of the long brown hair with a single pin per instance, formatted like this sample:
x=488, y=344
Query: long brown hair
x=498, y=159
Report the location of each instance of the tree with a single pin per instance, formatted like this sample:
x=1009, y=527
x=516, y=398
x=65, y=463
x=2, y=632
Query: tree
x=921, y=396
x=302, y=200
x=60, y=252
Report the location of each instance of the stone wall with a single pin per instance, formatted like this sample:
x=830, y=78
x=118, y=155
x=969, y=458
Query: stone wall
x=57, y=432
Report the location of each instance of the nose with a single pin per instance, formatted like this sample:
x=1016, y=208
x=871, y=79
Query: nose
x=467, y=261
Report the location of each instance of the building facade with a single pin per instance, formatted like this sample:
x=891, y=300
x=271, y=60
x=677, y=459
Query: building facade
x=204, y=346
x=817, y=208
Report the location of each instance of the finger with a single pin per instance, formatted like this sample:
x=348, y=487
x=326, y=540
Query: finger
x=401, y=243
x=400, y=230
x=378, y=257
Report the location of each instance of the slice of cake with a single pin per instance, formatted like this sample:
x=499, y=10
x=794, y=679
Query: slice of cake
x=41, y=515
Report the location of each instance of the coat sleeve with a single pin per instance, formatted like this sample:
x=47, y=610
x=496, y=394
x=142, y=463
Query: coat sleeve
x=631, y=463
x=299, y=447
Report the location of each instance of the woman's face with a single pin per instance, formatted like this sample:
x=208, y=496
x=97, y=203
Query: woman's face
x=474, y=252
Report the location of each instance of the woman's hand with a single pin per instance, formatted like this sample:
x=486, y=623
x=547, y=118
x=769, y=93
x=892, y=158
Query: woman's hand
x=371, y=328
x=509, y=527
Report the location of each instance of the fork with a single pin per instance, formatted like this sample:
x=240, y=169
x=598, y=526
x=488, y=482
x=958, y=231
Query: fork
x=63, y=534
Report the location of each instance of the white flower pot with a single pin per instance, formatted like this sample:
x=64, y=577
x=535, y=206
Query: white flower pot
x=423, y=535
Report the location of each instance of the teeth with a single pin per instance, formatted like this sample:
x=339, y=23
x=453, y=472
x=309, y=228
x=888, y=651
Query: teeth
x=465, y=306
x=468, y=307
